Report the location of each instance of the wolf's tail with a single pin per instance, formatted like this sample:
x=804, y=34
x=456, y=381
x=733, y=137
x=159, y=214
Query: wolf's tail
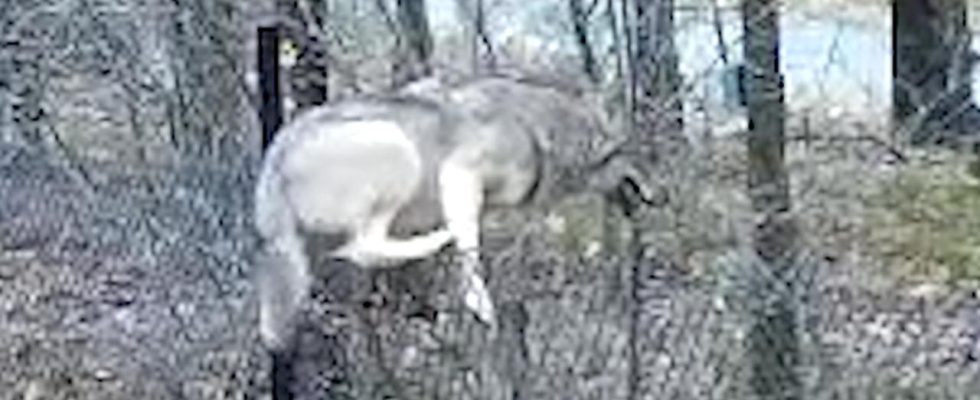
x=283, y=276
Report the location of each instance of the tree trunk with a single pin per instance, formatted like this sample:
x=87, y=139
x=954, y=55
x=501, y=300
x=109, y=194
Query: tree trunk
x=480, y=23
x=580, y=26
x=474, y=13
x=931, y=69
x=658, y=106
x=24, y=71
x=415, y=42
x=774, y=347
x=305, y=26
x=205, y=117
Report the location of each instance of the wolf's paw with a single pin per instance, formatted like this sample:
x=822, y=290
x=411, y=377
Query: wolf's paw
x=476, y=297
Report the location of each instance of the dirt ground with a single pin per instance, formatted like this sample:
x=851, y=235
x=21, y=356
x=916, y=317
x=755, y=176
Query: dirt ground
x=131, y=285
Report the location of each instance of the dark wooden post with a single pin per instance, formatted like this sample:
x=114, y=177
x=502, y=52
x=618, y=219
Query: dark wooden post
x=271, y=109
x=270, y=114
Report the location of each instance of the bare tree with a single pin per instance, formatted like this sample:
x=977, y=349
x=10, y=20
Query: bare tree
x=203, y=38
x=580, y=16
x=22, y=73
x=773, y=342
x=414, y=42
x=931, y=68
x=614, y=25
x=22, y=79
x=474, y=13
x=656, y=71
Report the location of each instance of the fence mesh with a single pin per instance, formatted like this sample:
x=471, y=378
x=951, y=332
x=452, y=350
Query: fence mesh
x=128, y=146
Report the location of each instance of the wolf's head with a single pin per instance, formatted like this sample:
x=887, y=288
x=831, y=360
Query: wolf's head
x=579, y=152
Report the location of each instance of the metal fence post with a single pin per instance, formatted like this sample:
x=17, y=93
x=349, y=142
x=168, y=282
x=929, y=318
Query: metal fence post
x=271, y=108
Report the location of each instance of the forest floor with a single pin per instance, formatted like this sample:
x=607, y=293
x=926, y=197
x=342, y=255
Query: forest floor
x=134, y=284
x=124, y=280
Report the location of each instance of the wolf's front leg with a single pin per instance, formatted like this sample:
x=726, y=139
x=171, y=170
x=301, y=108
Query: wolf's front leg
x=461, y=194
x=476, y=296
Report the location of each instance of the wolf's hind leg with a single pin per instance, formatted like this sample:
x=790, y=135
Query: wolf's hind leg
x=283, y=284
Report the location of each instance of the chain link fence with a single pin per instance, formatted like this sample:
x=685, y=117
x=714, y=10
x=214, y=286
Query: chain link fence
x=128, y=143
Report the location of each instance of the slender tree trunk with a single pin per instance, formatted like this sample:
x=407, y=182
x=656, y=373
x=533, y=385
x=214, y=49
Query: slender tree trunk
x=931, y=69
x=24, y=85
x=474, y=12
x=773, y=340
x=656, y=70
x=629, y=53
x=617, y=44
x=415, y=44
x=480, y=23
x=9, y=48
x=580, y=15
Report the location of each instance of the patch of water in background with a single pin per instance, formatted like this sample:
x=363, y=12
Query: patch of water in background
x=830, y=65
x=835, y=61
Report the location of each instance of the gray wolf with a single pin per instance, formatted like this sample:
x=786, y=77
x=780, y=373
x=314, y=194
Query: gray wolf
x=426, y=161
